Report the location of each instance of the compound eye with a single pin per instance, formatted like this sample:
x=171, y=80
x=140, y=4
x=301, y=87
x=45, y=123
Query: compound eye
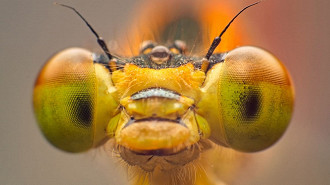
x=254, y=100
x=64, y=100
x=179, y=47
x=146, y=47
x=66, y=93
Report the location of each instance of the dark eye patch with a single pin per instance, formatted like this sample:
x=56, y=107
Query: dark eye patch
x=250, y=104
x=81, y=110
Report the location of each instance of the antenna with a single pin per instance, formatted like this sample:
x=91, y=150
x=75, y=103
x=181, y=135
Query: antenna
x=99, y=39
x=217, y=40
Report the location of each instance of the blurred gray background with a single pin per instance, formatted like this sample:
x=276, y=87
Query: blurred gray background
x=296, y=31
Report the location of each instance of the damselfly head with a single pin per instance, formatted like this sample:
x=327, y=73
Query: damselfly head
x=165, y=105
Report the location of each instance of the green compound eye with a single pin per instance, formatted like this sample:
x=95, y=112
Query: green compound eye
x=250, y=100
x=67, y=96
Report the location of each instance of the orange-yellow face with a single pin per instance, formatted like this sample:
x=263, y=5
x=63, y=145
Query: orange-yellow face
x=242, y=100
x=164, y=101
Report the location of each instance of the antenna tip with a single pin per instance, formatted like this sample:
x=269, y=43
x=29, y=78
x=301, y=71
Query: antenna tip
x=58, y=4
x=258, y=2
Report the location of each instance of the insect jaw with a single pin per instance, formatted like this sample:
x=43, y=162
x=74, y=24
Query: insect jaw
x=165, y=159
x=171, y=144
x=157, y=132
x=155, y=120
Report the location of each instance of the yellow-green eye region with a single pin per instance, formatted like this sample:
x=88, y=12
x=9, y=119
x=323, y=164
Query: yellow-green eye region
x=249, y=98
x=66, y=96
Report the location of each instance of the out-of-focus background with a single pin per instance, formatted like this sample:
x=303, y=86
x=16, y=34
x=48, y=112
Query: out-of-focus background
x=296, y=31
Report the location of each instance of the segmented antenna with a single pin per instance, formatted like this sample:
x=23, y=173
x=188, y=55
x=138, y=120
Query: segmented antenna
x=100, y=40
x=217, y=40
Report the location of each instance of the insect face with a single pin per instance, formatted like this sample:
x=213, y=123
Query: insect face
x=164, y=107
